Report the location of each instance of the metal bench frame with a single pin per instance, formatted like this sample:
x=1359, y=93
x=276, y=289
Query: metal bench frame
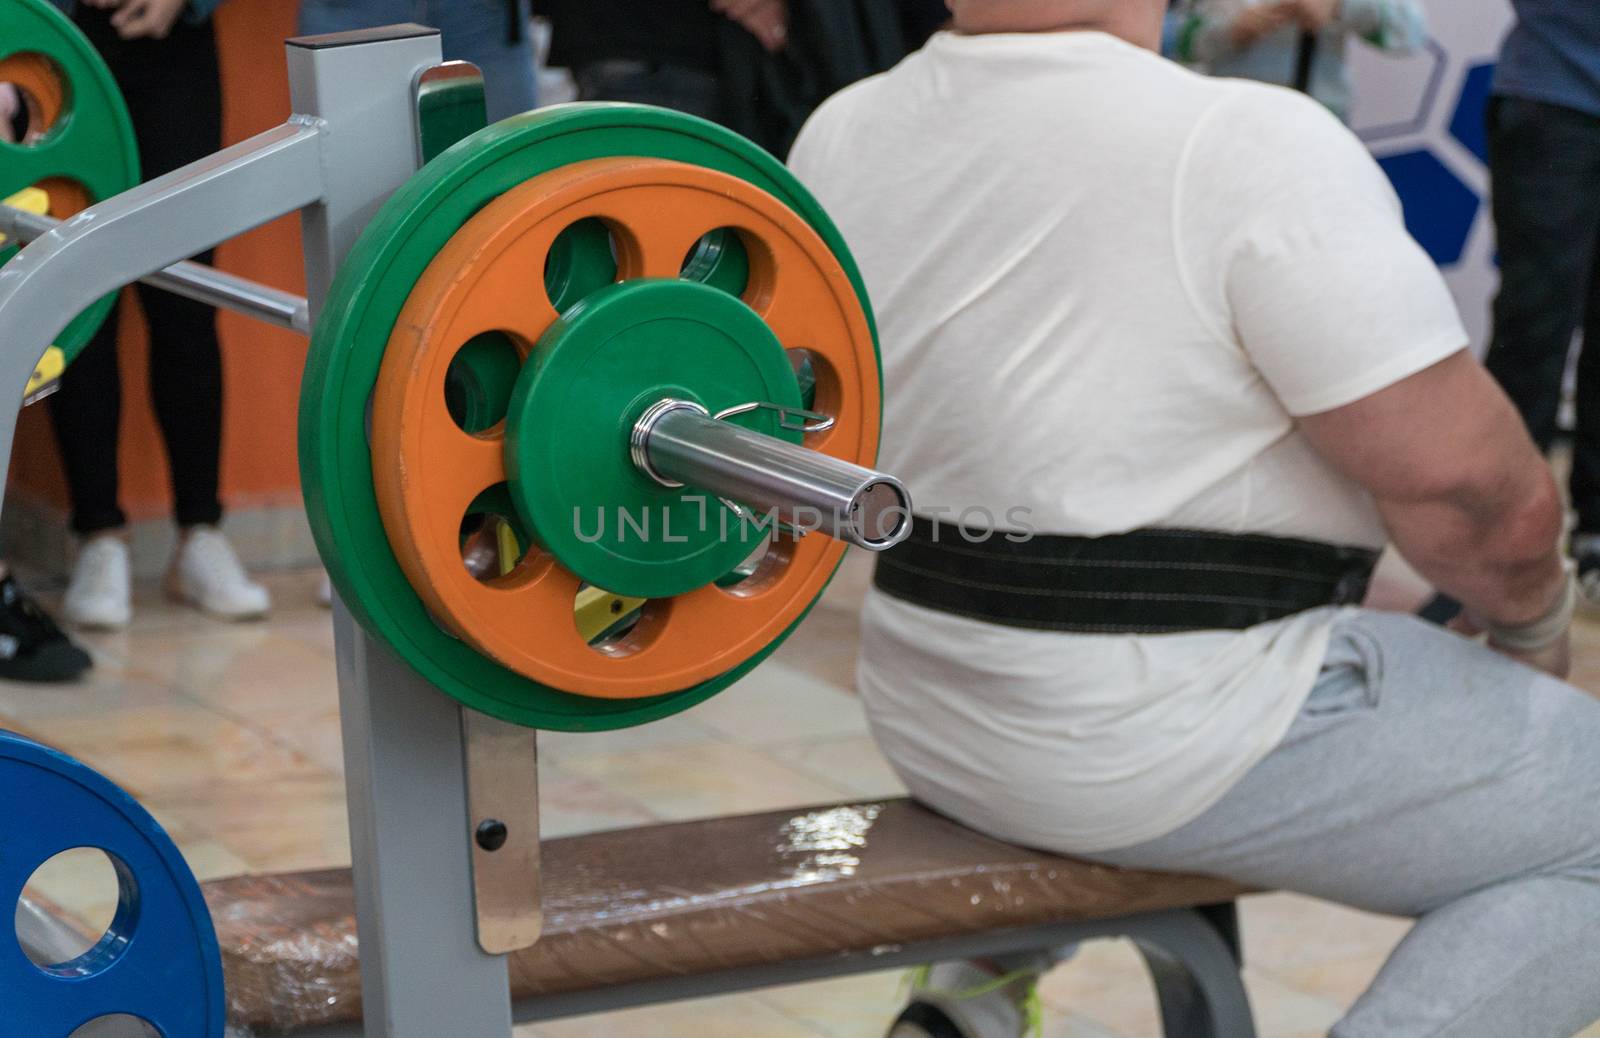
x=1193, y=956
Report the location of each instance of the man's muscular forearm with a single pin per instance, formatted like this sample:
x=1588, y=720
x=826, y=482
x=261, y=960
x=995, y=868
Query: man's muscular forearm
x=1498, y=552
x=1462, y=489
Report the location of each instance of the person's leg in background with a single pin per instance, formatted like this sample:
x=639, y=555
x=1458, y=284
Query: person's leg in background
x=173, y=92
x=1428, y=776
x=185, y=355
x=186, y=388
x=87, y=414
x=1544, y=162
x=324, y=16
x=683, y=88
x=1585, y=483
x=495, y=36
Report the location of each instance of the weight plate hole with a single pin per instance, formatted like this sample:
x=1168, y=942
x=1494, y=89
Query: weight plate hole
x=95, y=894
x=37, y=97
x=67, y=196
x=581, y=260
x=763, y=568
x=480, y=379
x=628, y=627
x=719, y=259
x=805, y=365
x=123, y=1025
x=493, y=541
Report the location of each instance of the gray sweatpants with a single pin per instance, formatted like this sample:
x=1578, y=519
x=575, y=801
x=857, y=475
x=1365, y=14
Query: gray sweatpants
x=1427, y=776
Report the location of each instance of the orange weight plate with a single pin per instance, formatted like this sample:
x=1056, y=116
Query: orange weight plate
x=486, y=284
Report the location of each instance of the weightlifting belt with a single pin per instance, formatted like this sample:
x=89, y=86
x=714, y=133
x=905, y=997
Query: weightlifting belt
x=1153, y=581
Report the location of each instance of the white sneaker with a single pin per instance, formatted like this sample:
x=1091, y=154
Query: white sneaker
x=98, y=596
x=206, y=574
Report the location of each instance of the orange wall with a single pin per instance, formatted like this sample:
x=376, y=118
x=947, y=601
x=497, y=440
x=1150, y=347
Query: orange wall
x=261, y=365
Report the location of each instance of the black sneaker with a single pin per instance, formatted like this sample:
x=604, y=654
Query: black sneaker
x=32, y=647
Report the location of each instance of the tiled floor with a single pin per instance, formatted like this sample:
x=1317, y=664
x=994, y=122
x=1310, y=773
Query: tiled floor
x=229, y=734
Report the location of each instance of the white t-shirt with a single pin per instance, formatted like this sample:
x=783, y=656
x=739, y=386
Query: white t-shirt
x=1105, y=285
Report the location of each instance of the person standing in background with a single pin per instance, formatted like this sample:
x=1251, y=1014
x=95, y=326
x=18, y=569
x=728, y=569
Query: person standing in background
x=660, y=52
x=757, y=67
x=492, y=34
x=1544, y=164
x=163, y=54
x=32, y=647
x=1293, y=43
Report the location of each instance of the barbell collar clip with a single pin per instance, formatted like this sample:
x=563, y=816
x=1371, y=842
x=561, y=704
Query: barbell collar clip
x=679, y=443
x=794, y=419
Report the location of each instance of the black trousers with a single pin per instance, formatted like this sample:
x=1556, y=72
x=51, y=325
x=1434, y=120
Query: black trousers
x=174, y=96
x=685, y=88
x=1545, y=164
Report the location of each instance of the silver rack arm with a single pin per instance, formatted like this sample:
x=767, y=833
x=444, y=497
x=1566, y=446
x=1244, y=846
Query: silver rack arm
x=126, y=237
x=191, y=280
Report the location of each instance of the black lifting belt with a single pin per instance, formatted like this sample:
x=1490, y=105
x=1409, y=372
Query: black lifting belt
x=1146, y=582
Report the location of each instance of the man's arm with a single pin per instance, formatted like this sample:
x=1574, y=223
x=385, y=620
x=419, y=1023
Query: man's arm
x=1462, y=489
x=1295, y=241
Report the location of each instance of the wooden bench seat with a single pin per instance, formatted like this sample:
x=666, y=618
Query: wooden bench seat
x=677, y=910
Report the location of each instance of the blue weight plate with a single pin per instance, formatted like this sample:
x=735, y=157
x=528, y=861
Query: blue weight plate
x=158, y=961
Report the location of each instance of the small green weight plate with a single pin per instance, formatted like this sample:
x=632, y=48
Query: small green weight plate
x=587, y=381
x=90, y=144
x=347, y=350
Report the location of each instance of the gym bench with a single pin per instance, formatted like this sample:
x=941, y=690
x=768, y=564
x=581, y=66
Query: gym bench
x=691, y=909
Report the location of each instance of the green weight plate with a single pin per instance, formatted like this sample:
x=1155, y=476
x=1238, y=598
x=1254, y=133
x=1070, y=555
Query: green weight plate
x=587, y=381
x=90, y=143
x=347, y=350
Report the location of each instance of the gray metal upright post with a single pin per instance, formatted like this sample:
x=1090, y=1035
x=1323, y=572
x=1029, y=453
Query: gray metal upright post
x=422, y=972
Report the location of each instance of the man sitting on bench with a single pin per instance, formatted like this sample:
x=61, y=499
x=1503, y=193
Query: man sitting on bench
x=1173, y=328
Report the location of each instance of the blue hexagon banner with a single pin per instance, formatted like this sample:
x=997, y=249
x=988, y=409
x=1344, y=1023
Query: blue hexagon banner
x=1423, y=117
